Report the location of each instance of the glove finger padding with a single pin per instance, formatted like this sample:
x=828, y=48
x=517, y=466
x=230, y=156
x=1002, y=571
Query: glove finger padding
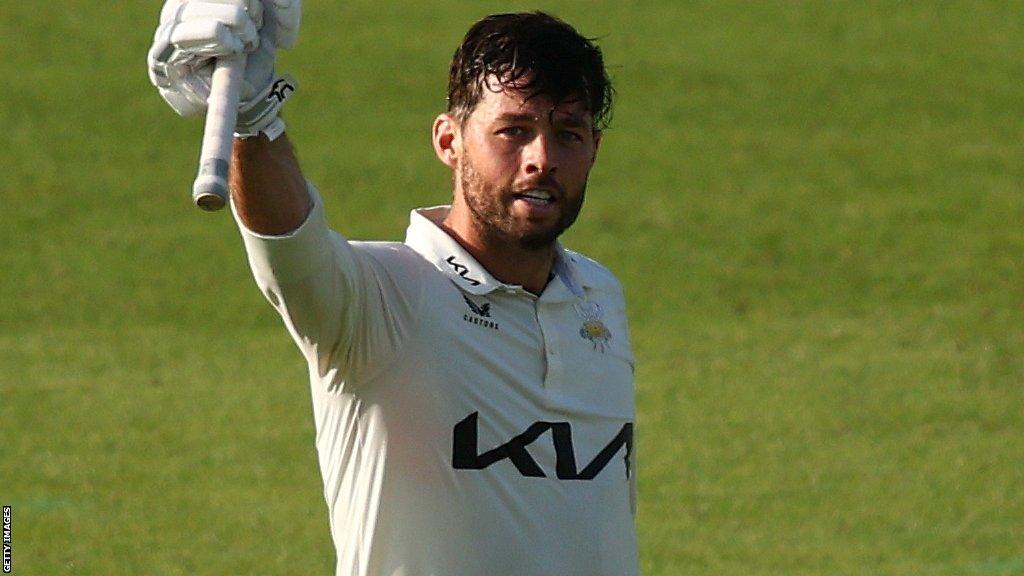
x=192, y=33
x=204, y=29
x=190, y=89
x=208, y=30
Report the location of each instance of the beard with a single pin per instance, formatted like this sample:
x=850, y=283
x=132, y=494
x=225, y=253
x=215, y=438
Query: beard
x=491, y=208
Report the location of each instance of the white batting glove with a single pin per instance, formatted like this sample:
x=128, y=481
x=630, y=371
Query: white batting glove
x=192, y=33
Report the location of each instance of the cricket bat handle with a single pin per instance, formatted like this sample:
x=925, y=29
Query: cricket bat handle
x=210, y=189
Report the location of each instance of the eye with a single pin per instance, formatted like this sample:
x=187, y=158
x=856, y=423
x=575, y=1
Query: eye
x=512, y=131
x=570, y=136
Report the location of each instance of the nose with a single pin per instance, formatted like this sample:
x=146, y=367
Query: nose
x=539, y=156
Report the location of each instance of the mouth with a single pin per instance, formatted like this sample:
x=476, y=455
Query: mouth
x=535, y=197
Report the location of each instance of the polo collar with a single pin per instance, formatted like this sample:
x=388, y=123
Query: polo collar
x=427, y=238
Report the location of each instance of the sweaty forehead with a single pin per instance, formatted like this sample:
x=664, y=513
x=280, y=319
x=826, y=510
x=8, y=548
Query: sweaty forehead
x=508, y=102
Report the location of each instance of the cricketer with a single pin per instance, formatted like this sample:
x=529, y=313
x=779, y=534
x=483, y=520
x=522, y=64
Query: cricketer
x=472, y=386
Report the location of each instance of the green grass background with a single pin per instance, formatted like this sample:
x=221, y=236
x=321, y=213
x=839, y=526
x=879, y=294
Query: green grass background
x=816, y=210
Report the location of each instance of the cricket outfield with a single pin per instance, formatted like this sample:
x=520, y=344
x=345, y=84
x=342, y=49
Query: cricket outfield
x=816, y=210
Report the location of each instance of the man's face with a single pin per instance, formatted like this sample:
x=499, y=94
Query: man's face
x=522, y=167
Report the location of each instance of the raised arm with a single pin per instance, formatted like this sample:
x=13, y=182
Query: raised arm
x=267, y=188
x=347, y=306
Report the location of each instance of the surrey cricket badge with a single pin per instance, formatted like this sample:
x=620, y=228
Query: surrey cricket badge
x=593, y=328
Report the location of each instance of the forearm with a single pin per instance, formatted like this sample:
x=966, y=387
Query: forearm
x=267, y=188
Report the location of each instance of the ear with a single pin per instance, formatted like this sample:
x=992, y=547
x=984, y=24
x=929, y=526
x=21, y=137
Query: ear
x=447, y=140
x=597, y=144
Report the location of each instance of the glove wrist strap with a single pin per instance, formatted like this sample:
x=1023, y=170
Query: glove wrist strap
x=261, y=113
x=272, y=131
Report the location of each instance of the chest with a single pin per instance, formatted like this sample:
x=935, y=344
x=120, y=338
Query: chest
x=513, y=352
x=511, y=386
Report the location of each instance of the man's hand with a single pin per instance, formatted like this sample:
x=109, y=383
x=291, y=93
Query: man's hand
x=192, y=33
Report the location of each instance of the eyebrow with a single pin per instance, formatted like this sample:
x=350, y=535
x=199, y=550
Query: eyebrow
x=571, y=120
x=517, y=117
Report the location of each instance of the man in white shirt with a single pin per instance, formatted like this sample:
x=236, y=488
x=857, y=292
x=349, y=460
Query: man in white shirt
x=473, y=386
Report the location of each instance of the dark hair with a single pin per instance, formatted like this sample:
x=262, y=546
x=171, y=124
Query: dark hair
x=530, y=51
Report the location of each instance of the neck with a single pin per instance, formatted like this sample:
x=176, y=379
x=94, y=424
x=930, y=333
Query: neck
x=507, y=262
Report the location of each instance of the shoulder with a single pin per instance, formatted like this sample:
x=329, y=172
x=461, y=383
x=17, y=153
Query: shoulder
x=389, y=252
x=592, y=273
x=383, y=249
x=393, y=256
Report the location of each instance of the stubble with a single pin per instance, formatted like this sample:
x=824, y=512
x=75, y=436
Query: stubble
x=490, y=208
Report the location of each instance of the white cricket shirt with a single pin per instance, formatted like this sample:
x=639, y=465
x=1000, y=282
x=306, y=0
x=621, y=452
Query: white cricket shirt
x=464, y=427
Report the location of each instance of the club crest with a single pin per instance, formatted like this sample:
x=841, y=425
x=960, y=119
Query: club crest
x=597, y=333
x=593, y=328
